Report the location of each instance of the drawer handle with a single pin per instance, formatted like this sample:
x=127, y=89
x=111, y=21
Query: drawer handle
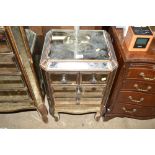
x=137, y=101
x=78, y=90
x=103, y=79
x=143, y=90
x=129, y=111
x=93, y=81
x=146, y=78
x=64, y=79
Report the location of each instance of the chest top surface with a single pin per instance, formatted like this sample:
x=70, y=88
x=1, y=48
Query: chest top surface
x=133, y=56
x=87, y=50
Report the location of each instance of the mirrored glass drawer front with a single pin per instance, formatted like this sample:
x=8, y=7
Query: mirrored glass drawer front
x=13, y=95
x=73, y=101
x=64, y=95
x=63, y=78
x=63, y=88
x=8, y=68
x=94, y=78
x=11, y=81
x=64, y=91
x=6, y=58
x=91, y=101
x=92, y=91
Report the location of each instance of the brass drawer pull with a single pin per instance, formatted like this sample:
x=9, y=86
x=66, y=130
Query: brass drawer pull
x=129, y=111
x=142, y=90
x=137, y=101
x=146, y=78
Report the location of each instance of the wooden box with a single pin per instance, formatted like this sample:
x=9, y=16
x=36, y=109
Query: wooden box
x=138, y=42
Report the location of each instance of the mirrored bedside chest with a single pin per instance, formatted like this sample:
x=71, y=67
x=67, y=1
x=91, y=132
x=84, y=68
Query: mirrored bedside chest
x=78, y=72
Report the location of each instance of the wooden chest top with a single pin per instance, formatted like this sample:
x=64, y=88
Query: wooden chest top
x=133, y=56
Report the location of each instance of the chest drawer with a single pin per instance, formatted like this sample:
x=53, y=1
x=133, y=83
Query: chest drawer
x=11, y=81
x=140, y=86
x=134, y=110
x=63, y=88
x=94, y=78
x=92, y=91
x=80, y=91
x=64, y=92
x=6, y=58
x=8, y=68
x=14, y=95
x=138, y=98
x=63, y=78
x=141, y=73
x=73, y=101
x=93, y=88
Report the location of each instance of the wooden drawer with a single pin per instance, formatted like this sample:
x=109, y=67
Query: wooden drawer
x=63, y=78
x=141, y=73
x=14, y=95
x=138, y=98
x=140, y=86
x=94, y=78
x=11, y=81
x=134, y=110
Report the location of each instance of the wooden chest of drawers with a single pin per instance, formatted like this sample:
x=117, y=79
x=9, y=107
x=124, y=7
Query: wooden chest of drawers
x=133, y=93
x=18, y=84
